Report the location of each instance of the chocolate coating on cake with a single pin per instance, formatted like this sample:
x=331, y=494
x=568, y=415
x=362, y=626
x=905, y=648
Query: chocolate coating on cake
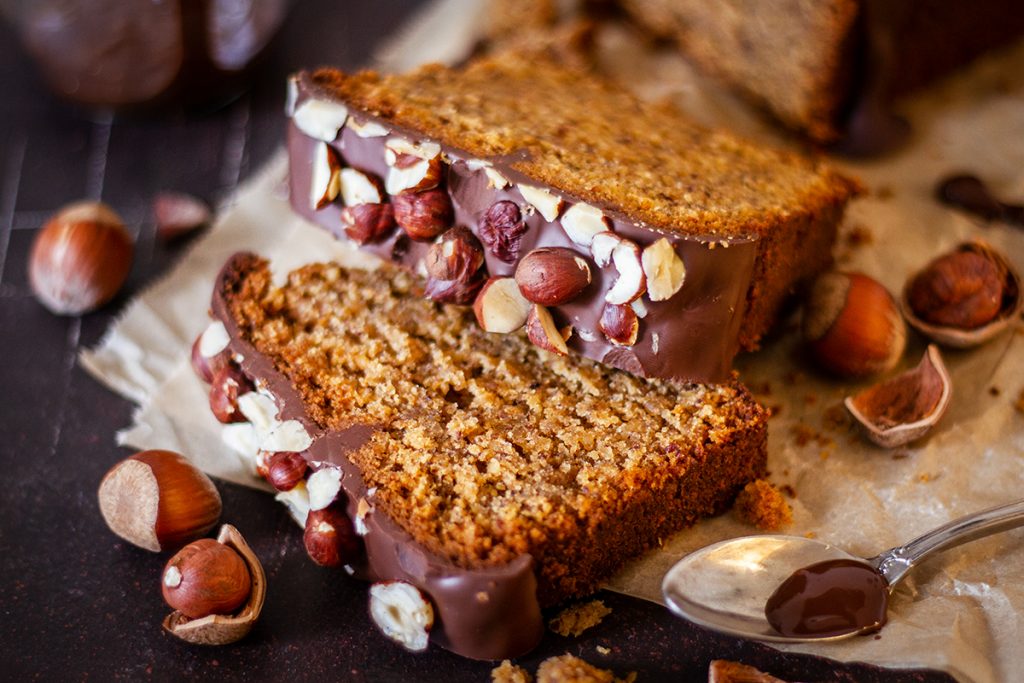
x=692, y=336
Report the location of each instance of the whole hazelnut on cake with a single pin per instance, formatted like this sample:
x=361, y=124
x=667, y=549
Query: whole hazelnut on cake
x=158, y=500
x=852, y=326
x=80, y=258
x=216, y=588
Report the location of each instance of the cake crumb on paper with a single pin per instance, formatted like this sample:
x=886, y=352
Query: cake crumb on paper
x=576, y=619
x=760, y=503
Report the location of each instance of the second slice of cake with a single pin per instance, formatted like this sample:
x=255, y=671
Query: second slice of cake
x=635, y=236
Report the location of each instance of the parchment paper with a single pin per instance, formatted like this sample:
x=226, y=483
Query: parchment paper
x=960, y=612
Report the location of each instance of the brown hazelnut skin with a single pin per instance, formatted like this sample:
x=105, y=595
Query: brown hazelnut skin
x=285, y=470
x=80, y=258
x=158, y=500
x=852, y=325
x=963, y=289
x=330, y=538
x=423, y=215
x=226, y=387
x=206, y=368
x=206, y=577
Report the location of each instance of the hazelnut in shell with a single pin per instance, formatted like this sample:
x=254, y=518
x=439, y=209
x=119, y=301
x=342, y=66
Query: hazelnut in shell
x=205, y=577
x=904, y=408
x=80, y=258
x=965, y=297
x=158, y=500
x=218, y=567
x=852, y=326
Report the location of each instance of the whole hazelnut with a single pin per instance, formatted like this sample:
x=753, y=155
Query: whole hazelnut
x=285, y=470
x=456, y=255
x=367, y=222
x=158, y=500
x=80, y=258
x=852, y=325
x=330, y=538
x=227, y=385
x=423, y=215
x=963, y=289
x=502, y=229
x=206, y=577
x=552, y=275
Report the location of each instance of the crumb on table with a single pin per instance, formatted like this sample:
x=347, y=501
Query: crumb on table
x=570, y=669
x=724, y=671
x=507, y=672
x=576, y=619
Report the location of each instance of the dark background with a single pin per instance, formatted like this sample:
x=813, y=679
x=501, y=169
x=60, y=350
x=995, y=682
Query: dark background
x=76, y=603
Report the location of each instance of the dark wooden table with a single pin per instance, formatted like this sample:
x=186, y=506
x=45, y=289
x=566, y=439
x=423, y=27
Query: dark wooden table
x=76, y=602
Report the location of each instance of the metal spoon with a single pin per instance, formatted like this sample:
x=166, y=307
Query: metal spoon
x=725, y=586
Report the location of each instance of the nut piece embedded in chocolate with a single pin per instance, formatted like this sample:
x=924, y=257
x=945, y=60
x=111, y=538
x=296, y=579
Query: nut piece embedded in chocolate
x=285, y=470
x=502, y=229
x=423, y=215
x=461, y=292
x=664, y=269
x=326, y=176
x=360, y=187
x=620, y=324
x=603, y=246
x=542, y=331
x=365, y=223
x=582, y=222
x=412, y=167
x=403, y=613
x=547, y=204
x=226, y=387
x=552, y=275
x=632, y=281
x=330, y=538
x=320, y=119
x=500, y=306
x=457, y=255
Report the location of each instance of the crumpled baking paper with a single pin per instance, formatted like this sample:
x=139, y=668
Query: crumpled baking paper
x=960, y=611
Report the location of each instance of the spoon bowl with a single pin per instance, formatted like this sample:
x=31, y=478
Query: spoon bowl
x=725, y=586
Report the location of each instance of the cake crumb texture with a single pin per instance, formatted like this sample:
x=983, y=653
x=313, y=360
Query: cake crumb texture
x=570, y=669
x=574, y=620
x=507, y=672
x=762, y=504
x=487, y=447
x=724, y=671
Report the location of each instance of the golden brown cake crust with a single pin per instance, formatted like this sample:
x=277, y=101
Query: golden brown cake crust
x=565, y=128
x=486, y=447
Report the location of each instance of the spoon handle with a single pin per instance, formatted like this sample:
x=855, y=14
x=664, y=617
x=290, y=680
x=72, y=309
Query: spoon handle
x=894, y=564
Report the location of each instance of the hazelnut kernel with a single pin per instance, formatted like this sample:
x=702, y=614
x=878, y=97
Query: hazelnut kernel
x=963, y=289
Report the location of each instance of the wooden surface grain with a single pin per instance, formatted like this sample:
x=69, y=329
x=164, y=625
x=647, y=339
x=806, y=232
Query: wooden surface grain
x=76, y=603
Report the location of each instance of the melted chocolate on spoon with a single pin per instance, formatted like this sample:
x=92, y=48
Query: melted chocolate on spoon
x=971, y=194
x=829, y=598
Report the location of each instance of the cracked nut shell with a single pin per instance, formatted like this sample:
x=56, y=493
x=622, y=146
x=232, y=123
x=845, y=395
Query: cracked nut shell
x=219, y=629
x=965, y=297
x=904, y=408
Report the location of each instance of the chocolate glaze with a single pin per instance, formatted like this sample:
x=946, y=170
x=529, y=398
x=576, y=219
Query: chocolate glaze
x=970, y=193
x=693, y=336
x=485, y=613
x=829, y=598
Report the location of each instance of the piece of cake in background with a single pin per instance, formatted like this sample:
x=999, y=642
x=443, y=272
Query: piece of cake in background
x=651, y=243
x=486, y=477
x=831, y=69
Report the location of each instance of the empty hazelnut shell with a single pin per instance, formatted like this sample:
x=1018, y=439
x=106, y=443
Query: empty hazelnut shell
x=217, y=629
x=902, y=409
x=959, y=337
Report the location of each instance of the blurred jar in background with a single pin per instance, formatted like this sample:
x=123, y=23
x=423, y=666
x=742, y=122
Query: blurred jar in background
x=145, y=53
